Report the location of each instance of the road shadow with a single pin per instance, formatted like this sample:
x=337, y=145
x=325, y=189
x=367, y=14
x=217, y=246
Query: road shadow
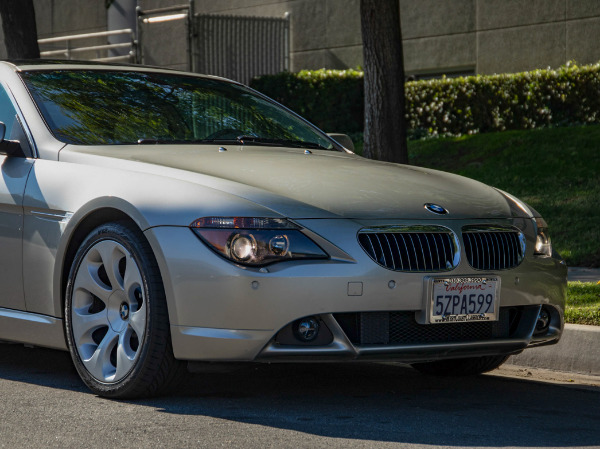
x=45, y=367
x=361, y=402
x=394, y=403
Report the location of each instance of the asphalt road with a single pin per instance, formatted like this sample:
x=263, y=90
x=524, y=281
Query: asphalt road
x=43, y=404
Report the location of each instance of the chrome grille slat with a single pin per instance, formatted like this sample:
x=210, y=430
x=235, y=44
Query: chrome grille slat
x=426, y=238
x=480, y=249
x=445, y=254
x=411, y=248
x=437, y=251
x=420, y=245
x=493, y=247
x=512, y=247
x=502, y=243
x=381, y=248
x=390, y=246
x=407, y=252
x=399, y=252
x=414, y=252
x=371, y=243
x=487, y=249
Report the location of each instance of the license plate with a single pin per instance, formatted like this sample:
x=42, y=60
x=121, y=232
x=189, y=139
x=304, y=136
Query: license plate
x=468, y=299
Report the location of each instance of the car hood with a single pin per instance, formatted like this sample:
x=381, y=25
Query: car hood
x=311, y=184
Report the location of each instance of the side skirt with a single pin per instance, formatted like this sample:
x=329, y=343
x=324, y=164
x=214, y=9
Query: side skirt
x=32, y=329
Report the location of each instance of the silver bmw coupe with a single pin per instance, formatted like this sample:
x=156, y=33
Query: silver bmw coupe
x=151, y=220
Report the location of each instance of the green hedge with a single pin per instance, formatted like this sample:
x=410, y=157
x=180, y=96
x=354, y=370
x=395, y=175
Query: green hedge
x=333, y=100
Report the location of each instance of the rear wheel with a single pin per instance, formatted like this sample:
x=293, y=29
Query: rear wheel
x=116, y=318
x=461, y=367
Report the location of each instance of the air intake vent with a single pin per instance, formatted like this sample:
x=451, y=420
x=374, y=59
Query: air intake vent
x=401, y=328
x=411, y=248
x=493, y=248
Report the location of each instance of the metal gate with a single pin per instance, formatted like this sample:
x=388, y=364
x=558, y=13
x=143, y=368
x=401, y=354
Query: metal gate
x=235, y=47
x=241, y=47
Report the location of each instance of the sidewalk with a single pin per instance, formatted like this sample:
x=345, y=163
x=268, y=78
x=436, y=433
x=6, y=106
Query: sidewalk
x=584, y=274
x=578, y=351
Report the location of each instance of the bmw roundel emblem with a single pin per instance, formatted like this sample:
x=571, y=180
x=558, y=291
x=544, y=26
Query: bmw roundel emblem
x=435, y=208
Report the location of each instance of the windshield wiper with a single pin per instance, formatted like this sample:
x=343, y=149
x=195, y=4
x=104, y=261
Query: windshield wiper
x=243, y=140
x=279, y=142
x=145, y=141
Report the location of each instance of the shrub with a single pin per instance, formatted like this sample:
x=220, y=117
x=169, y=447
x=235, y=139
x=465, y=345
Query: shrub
x=333, y=100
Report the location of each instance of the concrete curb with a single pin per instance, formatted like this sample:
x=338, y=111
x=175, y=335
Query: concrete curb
x=584, y=274
x=578, y=351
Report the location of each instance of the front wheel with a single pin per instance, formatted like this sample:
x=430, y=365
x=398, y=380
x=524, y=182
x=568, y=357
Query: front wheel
x=461, y=367
x=116, y=319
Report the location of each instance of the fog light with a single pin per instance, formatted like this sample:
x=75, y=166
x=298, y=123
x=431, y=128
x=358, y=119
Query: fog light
x=306, y=329
x=543, y=321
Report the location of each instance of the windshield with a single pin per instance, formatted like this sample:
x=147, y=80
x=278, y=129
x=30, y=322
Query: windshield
x=92, y=107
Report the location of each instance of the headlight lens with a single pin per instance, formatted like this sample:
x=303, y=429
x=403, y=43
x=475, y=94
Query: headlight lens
x=256, y=241
x=543, y=245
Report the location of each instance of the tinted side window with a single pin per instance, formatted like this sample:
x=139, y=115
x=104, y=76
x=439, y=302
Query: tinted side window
x=7, y=113
x=14, y=128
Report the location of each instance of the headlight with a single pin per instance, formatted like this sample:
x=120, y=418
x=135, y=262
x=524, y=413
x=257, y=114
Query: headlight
x=543, y=246
x=256, y=241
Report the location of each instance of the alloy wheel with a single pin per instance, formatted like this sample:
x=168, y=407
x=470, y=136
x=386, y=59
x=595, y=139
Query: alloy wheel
x=109, y=311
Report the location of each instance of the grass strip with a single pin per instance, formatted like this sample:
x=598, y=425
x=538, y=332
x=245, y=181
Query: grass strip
x=583, y=303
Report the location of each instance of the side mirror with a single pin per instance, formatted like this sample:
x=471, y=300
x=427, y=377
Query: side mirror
x=343, y=140
x=9, y=147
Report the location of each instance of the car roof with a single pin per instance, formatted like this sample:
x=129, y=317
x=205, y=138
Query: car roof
x=55, y=64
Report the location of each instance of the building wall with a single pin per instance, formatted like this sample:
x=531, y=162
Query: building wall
x=440, y=36
x=165, y=44
x=324, y=33
x=65, y=17
x=479, y=36
x=493, y=36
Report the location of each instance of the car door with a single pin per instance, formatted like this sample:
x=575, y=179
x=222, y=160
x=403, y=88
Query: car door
x=12, y=186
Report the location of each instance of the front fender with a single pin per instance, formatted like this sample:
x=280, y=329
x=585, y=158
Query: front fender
x=59, y=196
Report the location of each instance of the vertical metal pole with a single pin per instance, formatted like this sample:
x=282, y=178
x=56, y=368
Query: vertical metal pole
x=191, y=35
x=133, y=52
x=286, y=42
x=139, y=56
x=68, y=49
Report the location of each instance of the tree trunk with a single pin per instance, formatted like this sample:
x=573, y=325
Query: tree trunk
x=385, y=124
x=20, y=32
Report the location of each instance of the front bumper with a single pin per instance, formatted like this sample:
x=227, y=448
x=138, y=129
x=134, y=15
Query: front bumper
x=222, y=312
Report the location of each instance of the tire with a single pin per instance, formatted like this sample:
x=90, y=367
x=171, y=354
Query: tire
x=116, y=318
x=461, y=367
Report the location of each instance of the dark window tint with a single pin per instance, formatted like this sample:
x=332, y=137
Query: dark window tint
x=7, y=113
x=14, y=128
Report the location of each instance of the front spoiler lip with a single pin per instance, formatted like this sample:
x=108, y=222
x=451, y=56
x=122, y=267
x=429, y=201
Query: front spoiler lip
x=401, y=353
x=342, y=349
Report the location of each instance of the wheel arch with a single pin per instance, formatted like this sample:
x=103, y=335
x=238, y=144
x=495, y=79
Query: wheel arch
x=80, y=225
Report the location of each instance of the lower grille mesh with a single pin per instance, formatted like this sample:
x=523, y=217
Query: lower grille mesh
x=394, y=328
